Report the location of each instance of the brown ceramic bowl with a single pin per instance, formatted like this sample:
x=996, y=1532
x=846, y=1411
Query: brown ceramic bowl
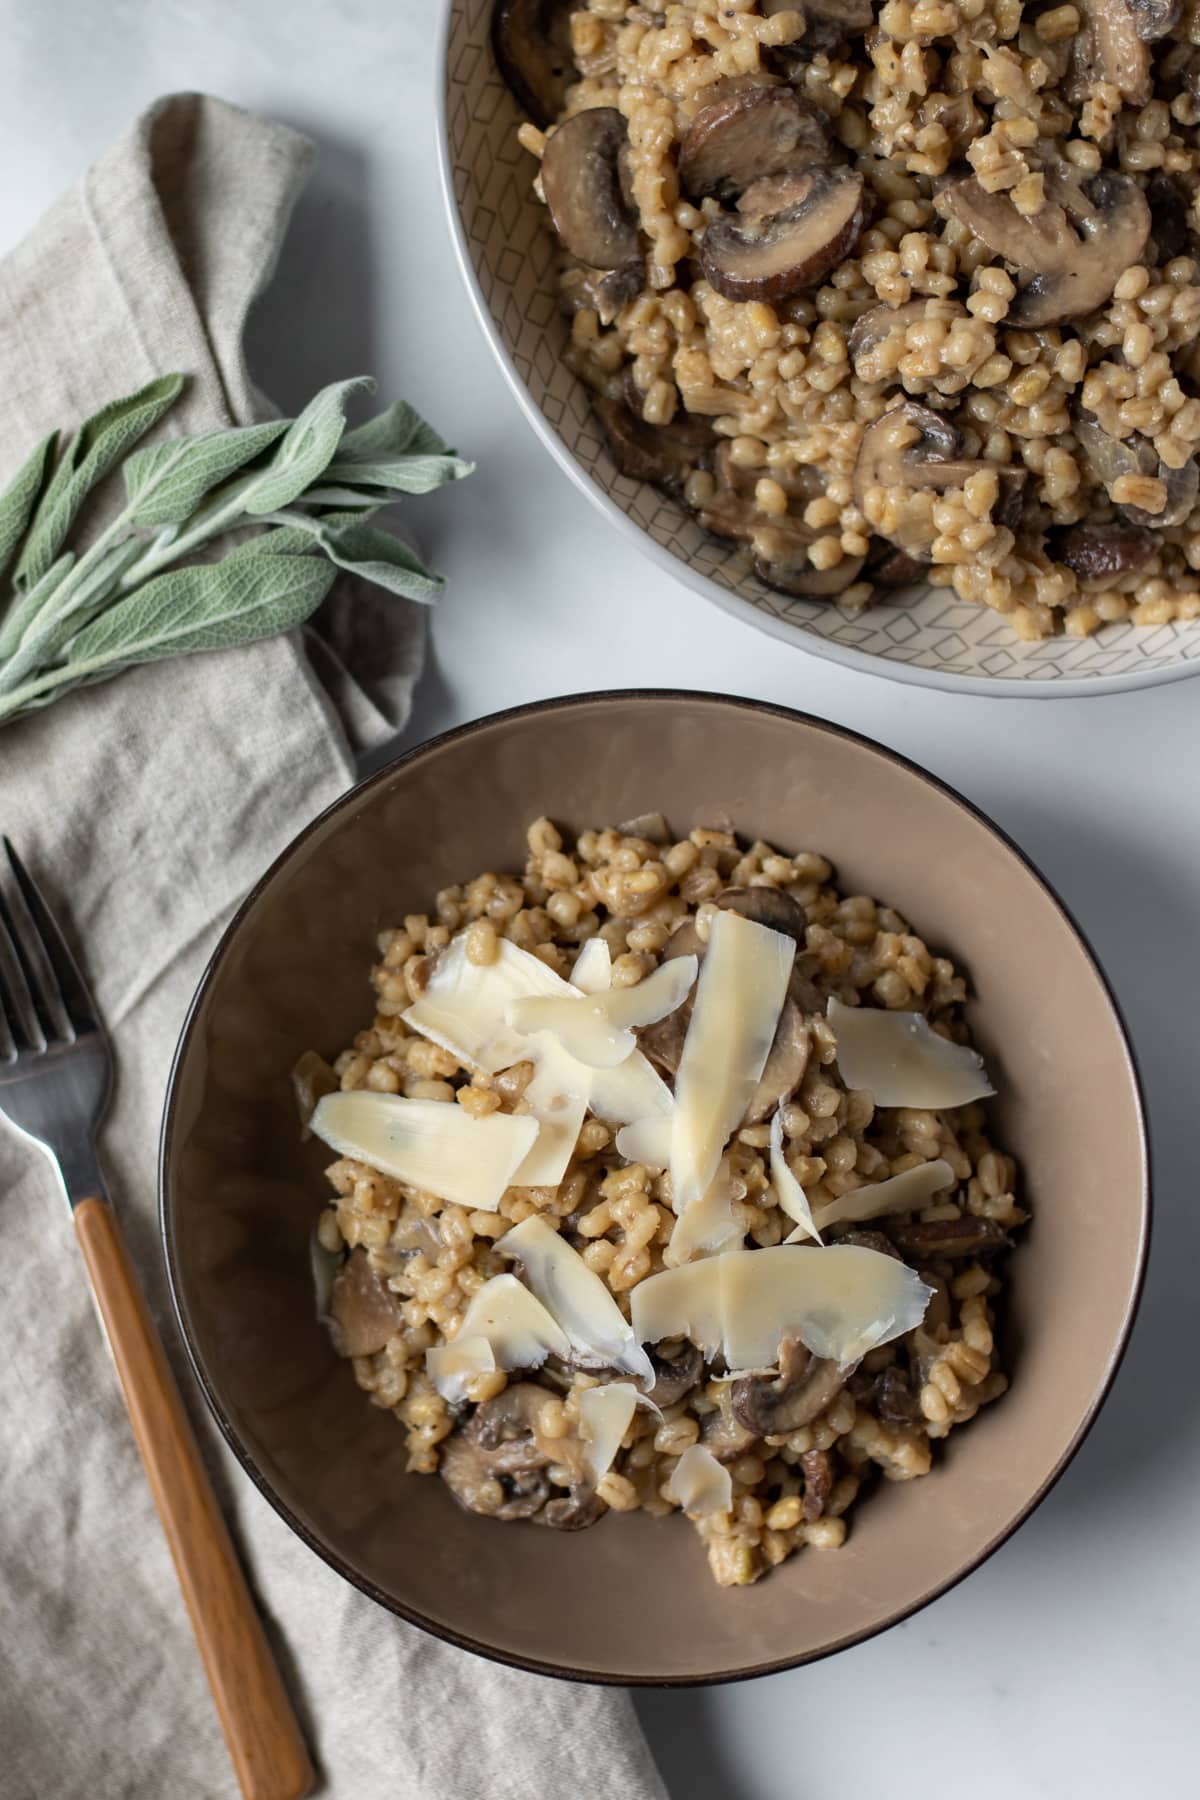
x=632, y=1600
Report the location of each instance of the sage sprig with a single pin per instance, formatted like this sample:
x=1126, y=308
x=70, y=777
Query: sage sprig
x=72, y=614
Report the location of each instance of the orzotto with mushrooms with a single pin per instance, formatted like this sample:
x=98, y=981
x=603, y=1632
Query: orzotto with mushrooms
x=663, y=1182
x=893, y=293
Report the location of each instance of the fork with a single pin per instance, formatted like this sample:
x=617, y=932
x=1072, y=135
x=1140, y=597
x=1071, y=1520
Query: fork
x=55, y=1078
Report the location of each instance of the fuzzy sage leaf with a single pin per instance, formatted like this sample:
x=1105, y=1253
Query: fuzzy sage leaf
x=99, y=443
x=74, y=614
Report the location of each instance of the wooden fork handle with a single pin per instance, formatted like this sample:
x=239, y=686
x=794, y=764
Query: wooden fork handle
x=256, y=1716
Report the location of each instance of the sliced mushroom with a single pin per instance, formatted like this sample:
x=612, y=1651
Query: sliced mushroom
x=604, y=291
x=785, y=1066
x=581, y=180
x=1072, y=253
x=769, y=255
x=780, y=543
x=1169, y=204
x=968, y=1236
x=663, y=1042
x=721, y=1432
x=817, y=1469
x=364, y=1312
x=749, y=135
x=573, y=1511
x=888, y=567
x=663, y=454
x=891, y=1397
x=1098, y=552
x=805, y=1386
x=767, y=906
x=910, y=448
x=506, y=1429
x=531, y=41
x=1111, y=48
x=827, y=23
x=678, y=1366
x=1154, y=19
x=1112, y=458
x=466, y=1470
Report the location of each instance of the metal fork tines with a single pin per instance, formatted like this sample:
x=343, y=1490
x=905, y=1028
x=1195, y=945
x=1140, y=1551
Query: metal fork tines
x=55, y=1068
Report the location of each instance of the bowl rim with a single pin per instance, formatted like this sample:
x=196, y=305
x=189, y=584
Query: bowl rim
x=1030, y=687
x=352, y=798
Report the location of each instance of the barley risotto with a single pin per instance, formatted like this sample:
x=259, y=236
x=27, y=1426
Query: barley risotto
x=893, y=293
x=663, y=1181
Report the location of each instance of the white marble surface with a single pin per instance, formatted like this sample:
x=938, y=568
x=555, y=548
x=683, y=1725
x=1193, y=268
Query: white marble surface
x=1067, y=1666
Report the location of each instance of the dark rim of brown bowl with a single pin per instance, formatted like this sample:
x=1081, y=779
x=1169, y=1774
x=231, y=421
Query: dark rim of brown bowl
x=655, y=696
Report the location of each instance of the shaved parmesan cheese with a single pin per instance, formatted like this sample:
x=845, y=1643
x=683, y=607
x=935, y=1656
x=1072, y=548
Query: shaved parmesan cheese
x=901, y=1061
x=700, y=1483
x=738, y=1000
x=840, y=1302
x=604, y=1416
x=557, y=1097
x=713, y=1223
x=428, y=1143
x=578, y=1299
x=647, y=1141
x=463, y=1009
x=512, y=1323
x=788, y=1192
x=451, y=1366
x=682, y=1302
x=900, y=1193
x=463, y=1006
x=578, y=1023
x=597, y=1029
x=592, y=973
x=633, y=1090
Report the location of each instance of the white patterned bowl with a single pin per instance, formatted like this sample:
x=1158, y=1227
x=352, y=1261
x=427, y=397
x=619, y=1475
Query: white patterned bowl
x=507, y=256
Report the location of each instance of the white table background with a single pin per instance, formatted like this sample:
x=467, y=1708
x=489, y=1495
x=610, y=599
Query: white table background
x=1067, y=1666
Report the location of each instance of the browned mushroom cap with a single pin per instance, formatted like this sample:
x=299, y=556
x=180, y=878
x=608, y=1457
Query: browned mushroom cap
x=664, y=454
x=967, y=1236
x=1072, y=253
x=1169, y=202
x=745, y=136
x=531, y=41
x=581, y=180
x=769, y=255
x=678, y=1366
x=781, y=543
x=767, y=906
x=888, y=1395
x=817, y=1468
x=467, y=1471
x=364, y=1312
x=573, y=1511
x=1097, y=552
x=888, y=567
x=910, y=448
x=1153, y=19
x=827, y=23
x=1111, y=458
x=604, y=291
x=785, y=1066
x=663, y=1042
x=805, y=1386
x=1111, y=48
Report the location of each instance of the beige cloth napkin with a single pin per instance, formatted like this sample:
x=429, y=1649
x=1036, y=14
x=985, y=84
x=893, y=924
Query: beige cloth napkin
x=147, y=807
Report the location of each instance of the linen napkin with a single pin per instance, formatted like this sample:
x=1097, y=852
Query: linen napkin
x=146, y=808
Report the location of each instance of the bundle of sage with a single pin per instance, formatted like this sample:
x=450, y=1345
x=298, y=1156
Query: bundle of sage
x=135, y=593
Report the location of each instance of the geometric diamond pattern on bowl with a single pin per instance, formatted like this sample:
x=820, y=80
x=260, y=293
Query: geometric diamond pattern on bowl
x=508, y=250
